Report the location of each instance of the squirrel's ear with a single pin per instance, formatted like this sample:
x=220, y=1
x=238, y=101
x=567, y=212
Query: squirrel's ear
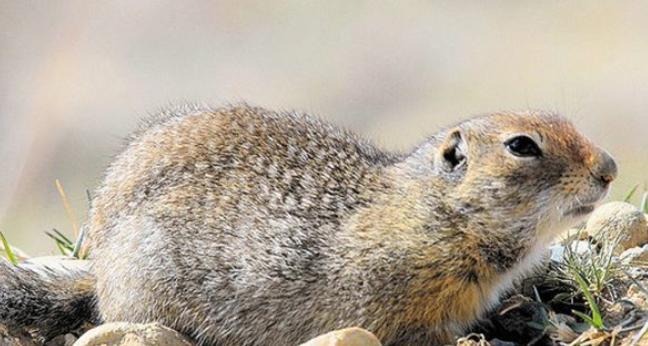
x=453, y=152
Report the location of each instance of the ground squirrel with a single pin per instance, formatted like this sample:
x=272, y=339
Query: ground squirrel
x=244, y=226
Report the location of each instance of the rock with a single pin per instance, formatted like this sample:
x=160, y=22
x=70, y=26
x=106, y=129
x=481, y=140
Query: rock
x=635, y=340
x=473, y=339
x=132, y=334
x=14, y=338
x=556, y=253
x=619, y=220
x=581, y=247
x=637, y=296
x=498, y=342
x=62, y=340
x=345, y=337
x=636, y=255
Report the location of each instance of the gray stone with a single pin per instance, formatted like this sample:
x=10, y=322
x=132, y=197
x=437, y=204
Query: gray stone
x=619, y=221
x=636, y=255
x=132, y=334
x=345, y=337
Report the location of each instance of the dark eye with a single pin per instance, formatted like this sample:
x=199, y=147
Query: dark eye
x=523, y=146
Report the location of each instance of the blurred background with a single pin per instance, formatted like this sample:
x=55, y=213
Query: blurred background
x=75, y=76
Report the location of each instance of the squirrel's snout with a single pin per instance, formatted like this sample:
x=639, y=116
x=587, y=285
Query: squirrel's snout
x=605, y=169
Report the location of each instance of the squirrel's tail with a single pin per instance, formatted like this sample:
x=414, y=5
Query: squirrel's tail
x=50, y=294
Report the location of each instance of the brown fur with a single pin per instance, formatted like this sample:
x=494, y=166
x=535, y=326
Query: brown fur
x=243, y=226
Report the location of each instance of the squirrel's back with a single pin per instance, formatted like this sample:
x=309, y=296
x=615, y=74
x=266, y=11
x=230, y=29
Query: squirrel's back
x=284, y=160
x=243, y=204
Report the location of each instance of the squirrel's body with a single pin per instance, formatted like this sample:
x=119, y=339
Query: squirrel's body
x=242, y=226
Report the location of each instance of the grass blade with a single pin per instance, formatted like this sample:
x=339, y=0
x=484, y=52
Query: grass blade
x=79, y=250
x=597, y=319
x=631, y=193
x=10, y=255
x=68, y=208
x=585, y=318
x=644, y=203
x=60, y=241
x=62, y=249
x=62, y=236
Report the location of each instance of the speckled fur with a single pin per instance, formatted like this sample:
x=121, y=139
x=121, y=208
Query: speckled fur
x=243, y=226
x=45, y=297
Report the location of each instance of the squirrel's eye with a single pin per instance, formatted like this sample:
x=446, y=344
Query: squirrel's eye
x=523, y=146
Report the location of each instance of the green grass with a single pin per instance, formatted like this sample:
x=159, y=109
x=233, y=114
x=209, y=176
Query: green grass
x=63, y=243
x=643, y=204
x=66, y=246
x=631, y=193
x=596, y=320
x=593, y=276
x=8, y=251
x=592, y=272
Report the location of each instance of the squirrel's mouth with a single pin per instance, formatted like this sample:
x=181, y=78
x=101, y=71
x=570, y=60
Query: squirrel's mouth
x=580, y=210
x=586, y=206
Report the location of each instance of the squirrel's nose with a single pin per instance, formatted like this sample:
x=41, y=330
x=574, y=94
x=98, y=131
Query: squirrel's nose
x=605, y=169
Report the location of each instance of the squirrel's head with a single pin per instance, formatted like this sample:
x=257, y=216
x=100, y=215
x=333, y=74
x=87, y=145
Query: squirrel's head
x=530, y=169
